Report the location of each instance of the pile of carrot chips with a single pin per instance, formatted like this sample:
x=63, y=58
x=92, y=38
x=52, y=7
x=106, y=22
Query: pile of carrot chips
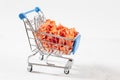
x=62, y=39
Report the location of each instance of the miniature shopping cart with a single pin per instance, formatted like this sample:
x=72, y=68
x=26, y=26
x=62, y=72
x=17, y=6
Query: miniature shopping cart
x=31, y=26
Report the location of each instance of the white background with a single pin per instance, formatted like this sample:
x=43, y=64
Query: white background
x=98, y=56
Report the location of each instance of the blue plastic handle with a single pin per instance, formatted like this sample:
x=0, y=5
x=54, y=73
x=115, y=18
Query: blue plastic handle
x=23, y=15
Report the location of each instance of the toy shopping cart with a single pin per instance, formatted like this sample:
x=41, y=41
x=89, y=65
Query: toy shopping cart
x=32, y=25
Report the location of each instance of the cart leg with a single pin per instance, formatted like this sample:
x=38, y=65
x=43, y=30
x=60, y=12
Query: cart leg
x=68, y=66
x=41, y=57
x=30, y=67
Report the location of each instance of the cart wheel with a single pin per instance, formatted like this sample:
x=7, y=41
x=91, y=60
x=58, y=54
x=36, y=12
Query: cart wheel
x=41, y=57
x=29, y=68
x=66, y=71
x=70, y=60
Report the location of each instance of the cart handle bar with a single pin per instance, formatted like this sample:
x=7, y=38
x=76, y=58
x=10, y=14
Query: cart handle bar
x=23, y=15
